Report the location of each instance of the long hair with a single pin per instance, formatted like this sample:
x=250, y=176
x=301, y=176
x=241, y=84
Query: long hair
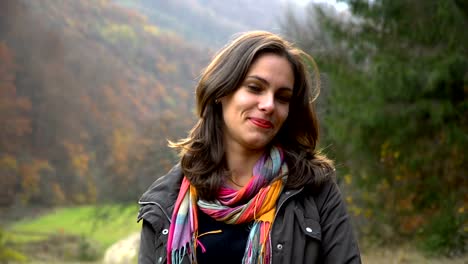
x=203, y=152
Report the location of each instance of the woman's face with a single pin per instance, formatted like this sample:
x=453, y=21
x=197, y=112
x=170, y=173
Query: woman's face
x=255, y=112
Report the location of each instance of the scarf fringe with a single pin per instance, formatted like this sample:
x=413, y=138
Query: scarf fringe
x=178, y=255
x=258, y=245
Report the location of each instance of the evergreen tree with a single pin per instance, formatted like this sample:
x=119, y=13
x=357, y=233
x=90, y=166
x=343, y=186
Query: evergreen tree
x=396, y=114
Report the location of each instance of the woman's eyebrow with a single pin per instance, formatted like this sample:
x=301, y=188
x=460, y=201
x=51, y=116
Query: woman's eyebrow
x=266, y=82
x=258, y=78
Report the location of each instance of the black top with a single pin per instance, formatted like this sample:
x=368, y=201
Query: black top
x=226, y=247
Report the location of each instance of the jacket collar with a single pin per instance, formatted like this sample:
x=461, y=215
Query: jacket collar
x=162, y=193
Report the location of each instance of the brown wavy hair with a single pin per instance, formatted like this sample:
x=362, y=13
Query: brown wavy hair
x=202, y=152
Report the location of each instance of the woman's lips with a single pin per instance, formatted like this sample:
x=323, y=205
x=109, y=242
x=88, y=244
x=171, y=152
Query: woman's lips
x=263, y=123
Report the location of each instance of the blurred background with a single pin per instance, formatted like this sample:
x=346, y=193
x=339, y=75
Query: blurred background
x=90, y=91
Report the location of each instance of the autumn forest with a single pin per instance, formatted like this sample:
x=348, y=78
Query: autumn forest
x=90, y=93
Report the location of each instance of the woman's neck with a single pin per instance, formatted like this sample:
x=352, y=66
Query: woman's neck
x=240, y=162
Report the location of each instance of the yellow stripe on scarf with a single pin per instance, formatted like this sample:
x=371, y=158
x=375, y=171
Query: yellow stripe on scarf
x=268, y=209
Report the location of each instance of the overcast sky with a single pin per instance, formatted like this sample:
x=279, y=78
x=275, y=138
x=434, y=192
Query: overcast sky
x=340, y=6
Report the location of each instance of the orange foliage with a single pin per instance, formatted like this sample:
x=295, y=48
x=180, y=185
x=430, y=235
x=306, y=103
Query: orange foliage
x=8, y=172
x=406, y=204
x=14, y=121
x=59, y=195
x=78, y=157
x=30, y=178
x=121, y=143
x=411, y=224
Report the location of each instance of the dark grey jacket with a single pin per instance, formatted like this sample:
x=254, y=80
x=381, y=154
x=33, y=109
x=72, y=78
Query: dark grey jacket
x=309, y=227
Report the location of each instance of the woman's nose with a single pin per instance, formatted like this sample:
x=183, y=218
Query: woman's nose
x=266, y=103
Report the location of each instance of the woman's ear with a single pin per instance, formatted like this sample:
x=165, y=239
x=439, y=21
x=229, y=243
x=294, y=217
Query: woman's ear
x=219, y=100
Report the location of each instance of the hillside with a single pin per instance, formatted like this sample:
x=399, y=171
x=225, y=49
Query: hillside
x=209, y=22
x=89, y=93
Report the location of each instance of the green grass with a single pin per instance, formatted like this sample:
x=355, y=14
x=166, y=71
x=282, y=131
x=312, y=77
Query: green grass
x=104, y=224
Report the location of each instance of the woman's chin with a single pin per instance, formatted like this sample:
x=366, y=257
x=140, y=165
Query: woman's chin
x=257, y=143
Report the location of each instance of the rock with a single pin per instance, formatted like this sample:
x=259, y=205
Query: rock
x=124, y=251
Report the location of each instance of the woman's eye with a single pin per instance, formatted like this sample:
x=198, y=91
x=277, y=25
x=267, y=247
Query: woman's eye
x=284, y=98
x=254, y=88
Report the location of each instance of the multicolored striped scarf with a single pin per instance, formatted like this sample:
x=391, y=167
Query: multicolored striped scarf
x=255, y=202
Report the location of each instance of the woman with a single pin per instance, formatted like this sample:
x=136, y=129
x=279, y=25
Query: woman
x=251, y=186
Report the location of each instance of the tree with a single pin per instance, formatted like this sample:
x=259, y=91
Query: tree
x=397, y=114
x=15, y=125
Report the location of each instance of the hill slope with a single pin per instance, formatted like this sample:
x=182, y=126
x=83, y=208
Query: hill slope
x=210, y=22
x=90, y=91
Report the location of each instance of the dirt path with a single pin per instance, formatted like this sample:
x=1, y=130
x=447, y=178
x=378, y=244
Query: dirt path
x=405, y=255
x=124, y=251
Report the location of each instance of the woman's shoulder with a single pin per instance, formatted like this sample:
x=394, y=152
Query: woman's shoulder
x=158, y=200
x=328, y=191
x=164, y=187
x=321, y=171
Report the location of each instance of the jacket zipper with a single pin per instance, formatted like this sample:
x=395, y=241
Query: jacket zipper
x=276, y=213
